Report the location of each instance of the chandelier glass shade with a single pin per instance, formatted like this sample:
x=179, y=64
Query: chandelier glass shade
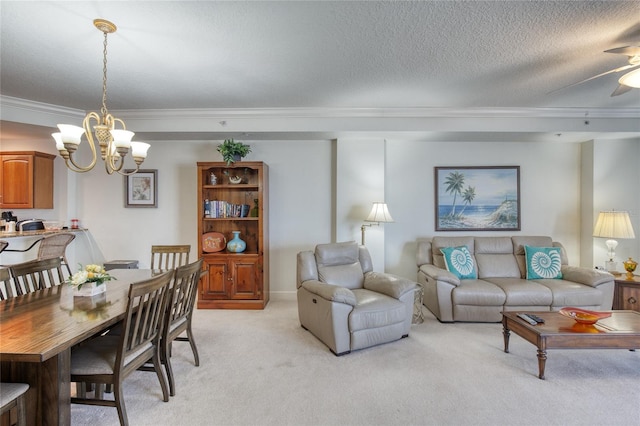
x=114, y=143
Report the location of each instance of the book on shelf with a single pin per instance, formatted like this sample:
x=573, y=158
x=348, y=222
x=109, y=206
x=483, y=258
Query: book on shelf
x=223, y=209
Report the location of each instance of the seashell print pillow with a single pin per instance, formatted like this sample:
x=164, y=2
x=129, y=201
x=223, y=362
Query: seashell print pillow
x=460, y=262
x=543, y=262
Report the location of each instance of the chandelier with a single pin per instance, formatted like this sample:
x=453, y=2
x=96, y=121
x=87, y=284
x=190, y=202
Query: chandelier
x=114, y=143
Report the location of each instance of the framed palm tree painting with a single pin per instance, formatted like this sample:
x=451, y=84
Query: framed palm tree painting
x=482, y=198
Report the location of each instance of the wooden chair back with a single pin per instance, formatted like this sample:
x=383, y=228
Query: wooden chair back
x=169, y=257
x=179, y=312
x=93, y=362
x=37, y=275
x=143, y=322
x=5, y=284
x=55, y=246
x=183, y=293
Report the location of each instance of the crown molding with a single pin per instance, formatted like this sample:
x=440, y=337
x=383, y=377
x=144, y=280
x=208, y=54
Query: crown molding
x=413, y=112
x=273, y=120
x=9, y=103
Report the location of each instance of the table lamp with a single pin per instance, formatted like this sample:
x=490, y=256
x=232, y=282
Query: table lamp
x=613, y=224
x=379, y=213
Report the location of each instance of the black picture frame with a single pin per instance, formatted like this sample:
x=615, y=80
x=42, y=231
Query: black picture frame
x=141, y=189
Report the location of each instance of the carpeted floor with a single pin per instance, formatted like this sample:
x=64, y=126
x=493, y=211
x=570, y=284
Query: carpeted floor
x=262, y=368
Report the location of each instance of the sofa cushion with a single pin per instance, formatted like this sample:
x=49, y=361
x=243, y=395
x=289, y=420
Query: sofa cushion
x=521, y=292
x=438, y=243
x=543, y=262
x=349, y=276
x=569, y=293
x=478, y=292
x=339, y=264
x=375, y=310
x=494, y=257
x=458, y=261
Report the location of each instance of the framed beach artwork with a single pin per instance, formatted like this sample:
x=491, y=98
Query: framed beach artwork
x=477, y=198
x=141, y=189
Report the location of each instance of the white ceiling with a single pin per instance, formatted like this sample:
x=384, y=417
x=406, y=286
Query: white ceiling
x=329, y=55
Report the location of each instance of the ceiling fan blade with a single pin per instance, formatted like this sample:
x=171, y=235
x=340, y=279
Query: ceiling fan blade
x=620, y=90
x=622, y=68
x=627, y=50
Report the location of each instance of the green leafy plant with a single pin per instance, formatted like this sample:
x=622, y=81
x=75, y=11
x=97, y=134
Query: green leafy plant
x=232, y=150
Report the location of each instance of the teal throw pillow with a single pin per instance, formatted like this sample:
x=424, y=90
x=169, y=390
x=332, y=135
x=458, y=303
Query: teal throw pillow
x=459, y=262
x=543, y=262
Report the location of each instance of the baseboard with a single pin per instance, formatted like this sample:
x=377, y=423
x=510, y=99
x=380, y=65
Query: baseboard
x=282, y=296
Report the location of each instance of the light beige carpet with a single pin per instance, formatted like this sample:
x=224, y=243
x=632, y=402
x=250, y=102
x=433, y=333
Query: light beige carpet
x=262, y=368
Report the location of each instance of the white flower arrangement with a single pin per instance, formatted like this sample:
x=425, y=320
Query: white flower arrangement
x=90, y=274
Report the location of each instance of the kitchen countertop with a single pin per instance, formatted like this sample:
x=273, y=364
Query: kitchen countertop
x=38, y=233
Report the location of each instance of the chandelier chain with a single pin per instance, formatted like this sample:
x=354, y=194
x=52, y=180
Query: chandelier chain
x=104, y=110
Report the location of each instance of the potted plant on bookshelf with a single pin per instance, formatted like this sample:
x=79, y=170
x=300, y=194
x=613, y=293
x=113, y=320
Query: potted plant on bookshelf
x=233, y=151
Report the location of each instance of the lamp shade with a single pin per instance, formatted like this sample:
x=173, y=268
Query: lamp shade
x=613, y=224
x=379, y=213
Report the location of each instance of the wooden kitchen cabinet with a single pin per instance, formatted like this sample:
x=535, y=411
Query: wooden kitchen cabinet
x=234, y=280
x=26, y=180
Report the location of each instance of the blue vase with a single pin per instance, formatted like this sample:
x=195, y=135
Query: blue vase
x=236, y=245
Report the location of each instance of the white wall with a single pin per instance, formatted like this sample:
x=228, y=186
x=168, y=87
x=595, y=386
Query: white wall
x=299, y=203
x=549, y=191
x=616, y=186
x=306, y=209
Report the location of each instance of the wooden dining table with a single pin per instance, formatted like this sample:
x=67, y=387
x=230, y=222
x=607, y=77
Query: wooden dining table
x=37, y=331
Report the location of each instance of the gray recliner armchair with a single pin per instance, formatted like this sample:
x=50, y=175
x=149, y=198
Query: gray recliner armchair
x=345, y=304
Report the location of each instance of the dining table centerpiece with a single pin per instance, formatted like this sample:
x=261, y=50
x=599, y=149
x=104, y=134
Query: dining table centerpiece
x=90, y=280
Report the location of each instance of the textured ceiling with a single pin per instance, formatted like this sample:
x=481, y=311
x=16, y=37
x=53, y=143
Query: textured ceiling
x=319, y=54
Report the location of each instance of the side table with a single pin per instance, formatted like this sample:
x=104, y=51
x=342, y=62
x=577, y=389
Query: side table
x=626, y=294
x=418, y=315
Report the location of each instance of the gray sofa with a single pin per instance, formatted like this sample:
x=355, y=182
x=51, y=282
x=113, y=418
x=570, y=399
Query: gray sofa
x=501, y=283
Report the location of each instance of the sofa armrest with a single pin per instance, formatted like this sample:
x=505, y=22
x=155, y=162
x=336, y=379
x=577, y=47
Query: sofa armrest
x=439, y=274
x=586, y=276
x=389, y=284
x=330, y=292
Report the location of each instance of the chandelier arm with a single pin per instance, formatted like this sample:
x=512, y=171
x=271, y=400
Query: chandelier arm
x=130, y=173
x=72, y=166
x=86, y=124
x=114, y=120
x=113, y=163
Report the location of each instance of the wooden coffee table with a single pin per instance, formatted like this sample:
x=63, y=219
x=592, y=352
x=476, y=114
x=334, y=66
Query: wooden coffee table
x=620, y=331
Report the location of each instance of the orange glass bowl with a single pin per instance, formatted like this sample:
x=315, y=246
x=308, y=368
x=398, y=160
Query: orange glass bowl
x=583, y=316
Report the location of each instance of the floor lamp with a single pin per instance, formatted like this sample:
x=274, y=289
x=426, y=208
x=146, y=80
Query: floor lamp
x=613, y=224
x=379, y=214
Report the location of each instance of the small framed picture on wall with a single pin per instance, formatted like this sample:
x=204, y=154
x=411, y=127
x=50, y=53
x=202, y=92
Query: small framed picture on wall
x=141, y=189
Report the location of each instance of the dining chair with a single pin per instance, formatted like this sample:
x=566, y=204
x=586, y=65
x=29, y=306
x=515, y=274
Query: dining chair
x=37, y=275
x=169, y=257
x=109, y=359
x=12, y=395
x=55, y=246
x=179, y=312
x=5, y=284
